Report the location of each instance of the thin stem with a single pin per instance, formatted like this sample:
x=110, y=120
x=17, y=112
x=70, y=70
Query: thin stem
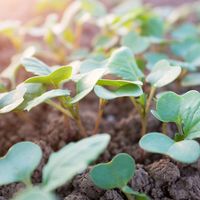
x=180, y=130
x=146, y=111
x=60, y=108
x=102, y=103
x=28, y=182
x=151, y=95
x=135, y=104
x=79, y=121
x=164, y=128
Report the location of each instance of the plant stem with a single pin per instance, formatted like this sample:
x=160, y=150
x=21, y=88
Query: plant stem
x=151, y=95
x=102, y=103
x=28, y=182
x=136, y=106
x=60, y=108
x=146, y=111
x=78, y=120
x=180, y=130
x=129, y=196
x=164, y=128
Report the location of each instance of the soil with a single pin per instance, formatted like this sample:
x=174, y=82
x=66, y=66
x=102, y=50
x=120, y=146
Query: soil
x=156, y=175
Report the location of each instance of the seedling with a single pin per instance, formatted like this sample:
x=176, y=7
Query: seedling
x=183, y=110
x=116, y=174
x=161, y=75
x=53, y=77
x=23, y=158
x=121, y=64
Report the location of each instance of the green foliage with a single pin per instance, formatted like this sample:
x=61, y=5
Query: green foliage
x=122, y=88
x=184, y=111
x=46, y=74
x=191, y=79
x=36, y=66
x=45, y=97
x=116, y=174
x=72, y=159
x=186, y=151
x=23, y=158
x=181, y=109
x=35, y=193
x=86, y=84
x=19, y=163
x=11, y=100
x=163, y=74
x=135, y=42
x=121, y=63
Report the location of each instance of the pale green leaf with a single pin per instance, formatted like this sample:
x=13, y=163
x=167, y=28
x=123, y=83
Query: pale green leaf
x=19, y=163
x=46, y=96
x=72, y=159
x=34, y=193
x=122, y=88
x=54, y=78
x=36, y=66
x=11, y=100
x=135, y=42
x=163, y=74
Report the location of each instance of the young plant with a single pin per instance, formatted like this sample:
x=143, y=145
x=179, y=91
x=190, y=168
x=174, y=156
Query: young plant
x=121, y=64
x=23, y=158
x=161, y=75
x=17, y=99
x=53, y=77
x=116, y=174
x=183, y=110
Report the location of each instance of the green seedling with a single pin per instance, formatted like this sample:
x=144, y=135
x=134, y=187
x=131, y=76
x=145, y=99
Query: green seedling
x=116, y=174
x=161, y=75
x=120, y=64
x=53, y=77
x=183, y=110
x=23, y=158
x=17, y=100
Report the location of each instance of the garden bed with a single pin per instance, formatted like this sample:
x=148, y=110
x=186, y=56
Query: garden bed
x=158, y=175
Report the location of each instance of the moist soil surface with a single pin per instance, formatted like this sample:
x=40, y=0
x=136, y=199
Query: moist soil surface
x=156, y=175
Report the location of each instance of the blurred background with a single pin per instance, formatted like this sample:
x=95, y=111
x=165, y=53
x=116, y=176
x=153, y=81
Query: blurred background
x=62, y=31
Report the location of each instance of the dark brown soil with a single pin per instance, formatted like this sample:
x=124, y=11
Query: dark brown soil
x=159, y=178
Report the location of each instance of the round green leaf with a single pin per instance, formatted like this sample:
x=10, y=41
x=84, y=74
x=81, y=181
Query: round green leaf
x=115, y=174
x=168, y=107
x=19, y=163
x=72, y=159
x=156, y=143
x=163, y=74
x=186, y=151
